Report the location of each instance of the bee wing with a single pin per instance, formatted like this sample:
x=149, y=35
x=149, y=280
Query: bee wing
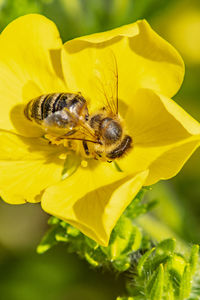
x=85, y=132
x=106, y=80
x=79, y=131
x=82, y=132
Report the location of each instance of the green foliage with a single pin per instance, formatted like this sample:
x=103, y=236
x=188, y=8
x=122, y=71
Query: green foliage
x=162, y=273
x=9, y=10
x=157, y=271
x=125, y=238
x=79, y=17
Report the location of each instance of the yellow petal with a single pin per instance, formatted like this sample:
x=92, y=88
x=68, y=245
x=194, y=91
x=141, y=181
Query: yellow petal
x=170, y=163
x=93, y=199
x=157, y=125
x=27, y=167
x=29, y=66
x=144, y=60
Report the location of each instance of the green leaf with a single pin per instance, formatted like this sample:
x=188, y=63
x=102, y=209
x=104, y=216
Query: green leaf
x=142, y=261
x=122, y=264
x=92, y=244
x=53, y=221
x=166, y=247
x=169, y=294
x=123, y=226
x=91, y=260
x=185, y=286
x=137, y=238
x=162, y=253
x=48, y=240
x=176, y=265
x=161, y=273
x=125, y=238
x=194, y=256
x=72, y=231
x=156, y=291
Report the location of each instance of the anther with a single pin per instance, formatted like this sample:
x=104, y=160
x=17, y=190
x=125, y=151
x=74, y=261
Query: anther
x=84, y=163
x=62, y=156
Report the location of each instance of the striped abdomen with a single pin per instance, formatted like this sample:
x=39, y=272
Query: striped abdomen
x=57, y=109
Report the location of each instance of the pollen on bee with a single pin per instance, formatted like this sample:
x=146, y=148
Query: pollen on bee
x=84, y=163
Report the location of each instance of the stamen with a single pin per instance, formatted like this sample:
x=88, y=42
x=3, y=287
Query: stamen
x=84, y=163
x=62, y=156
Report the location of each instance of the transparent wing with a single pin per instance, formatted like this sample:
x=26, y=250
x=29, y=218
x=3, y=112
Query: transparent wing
x=80, y=133
x=73, y=129
x=85, y=132
x=106, y=80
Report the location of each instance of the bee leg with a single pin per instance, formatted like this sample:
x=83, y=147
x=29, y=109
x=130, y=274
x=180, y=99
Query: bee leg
x=85, y=146
x=65, y=135
x=70, y=132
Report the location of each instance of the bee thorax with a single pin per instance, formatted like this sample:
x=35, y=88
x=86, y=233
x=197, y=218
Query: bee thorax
x=111, y=130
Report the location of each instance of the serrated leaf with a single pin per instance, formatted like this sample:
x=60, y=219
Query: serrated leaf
x=156, y=291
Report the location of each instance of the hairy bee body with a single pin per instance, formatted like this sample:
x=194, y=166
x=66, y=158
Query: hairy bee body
x=102, y=134
x=110, y=132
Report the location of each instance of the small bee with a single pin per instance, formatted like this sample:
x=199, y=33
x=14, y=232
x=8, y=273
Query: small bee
x=66, y=116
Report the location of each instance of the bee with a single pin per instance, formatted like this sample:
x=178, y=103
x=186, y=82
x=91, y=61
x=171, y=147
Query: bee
x=100, y=135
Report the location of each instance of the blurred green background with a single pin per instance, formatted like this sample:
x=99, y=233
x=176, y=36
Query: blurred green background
x=24, y=275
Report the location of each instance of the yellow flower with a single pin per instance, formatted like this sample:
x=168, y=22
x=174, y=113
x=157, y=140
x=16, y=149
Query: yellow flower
x=33, y=62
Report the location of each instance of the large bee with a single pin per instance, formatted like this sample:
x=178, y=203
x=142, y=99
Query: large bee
x=100, y=135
